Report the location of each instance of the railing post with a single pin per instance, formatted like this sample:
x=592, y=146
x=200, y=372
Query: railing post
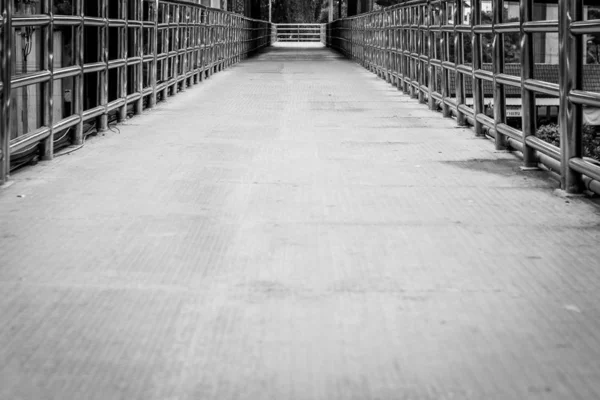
x=570, y=78
x=139, y=50
x=529, y=117
x=124, y=55
x=458, y=60
x=478, y=103
x=102, y=121
x=414, y=77
x=166, y=44
x=47, y=145
x=404, y=50
x=498, y=68
x=202, y=43
x=394, y=48
x=5, y=77
x=430, y=55
x=153, y=70
x=78, y=53
x=421, y=70
x=445, y=56
x=176, y=48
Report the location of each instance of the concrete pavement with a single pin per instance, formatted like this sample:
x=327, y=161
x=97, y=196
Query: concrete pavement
x=295, y=228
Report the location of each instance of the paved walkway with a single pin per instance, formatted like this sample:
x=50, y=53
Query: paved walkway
x=294, y=228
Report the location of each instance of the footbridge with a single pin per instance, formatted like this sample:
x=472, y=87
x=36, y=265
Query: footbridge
x=197, y=210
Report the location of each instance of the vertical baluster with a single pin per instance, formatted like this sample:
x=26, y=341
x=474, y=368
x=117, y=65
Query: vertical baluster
x=124, y=55
x=175, y=29
x=498, y=68
x=184, y=37
x=385, y=31
x=404, y=49
x=77, y=93
x=421, y=38
x=430, y=56
x=153, y=69
x=226, y=40
x=139, y=46
x=166, y=43
x=102, y=122
x=196, y=32
x=458, y=60
x=209, y=41
x=47, y=145
x=445, y=56
x=413, y=50
x=407, y=49
x=529, y=116
x=478, y=101
x=182, y=53
x=202, y=43
x=221, y=41
x=394, y=35
x=6, y=70
x=570, y=75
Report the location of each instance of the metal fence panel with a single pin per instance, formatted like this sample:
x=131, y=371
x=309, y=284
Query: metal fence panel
x=419, y=46
x=96, y=63
x=298, y=32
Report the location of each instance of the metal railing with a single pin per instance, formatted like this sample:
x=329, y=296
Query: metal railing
x=299, y=32
x=419, y=46
x=104, y=59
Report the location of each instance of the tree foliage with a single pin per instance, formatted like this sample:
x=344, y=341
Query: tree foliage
x=293, y=11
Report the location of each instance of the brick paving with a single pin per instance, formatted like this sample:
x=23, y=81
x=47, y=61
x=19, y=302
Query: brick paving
x=295, y=228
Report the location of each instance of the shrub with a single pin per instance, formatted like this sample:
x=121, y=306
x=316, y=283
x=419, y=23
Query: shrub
x=63, y=7
x=549, y=133
x=591, y=142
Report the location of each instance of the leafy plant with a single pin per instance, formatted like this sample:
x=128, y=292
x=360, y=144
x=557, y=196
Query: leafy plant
x=549, y=133
x=63, y=7
x=591, y=142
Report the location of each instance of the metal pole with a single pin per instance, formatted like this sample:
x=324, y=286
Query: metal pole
x=458, y=60
x=47, y=145
x=102, y=120
x=123, y=55
x=570, y=78
x=270, y=11
x=445, y=56
x=78, y=94
x=330, y=10
x=528, y=97
x=498, y=68
x=139, y=52
x=478, y=95
x=5, y=121
x=403, y=47
x=430, y=49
